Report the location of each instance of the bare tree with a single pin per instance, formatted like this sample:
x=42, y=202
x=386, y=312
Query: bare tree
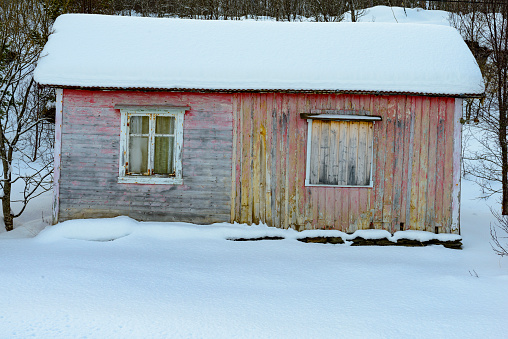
x=25, y=160
x=484, y=25
x=498, y=245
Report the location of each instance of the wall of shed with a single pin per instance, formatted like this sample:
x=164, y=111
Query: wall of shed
x=90, y=135
x=413, y=164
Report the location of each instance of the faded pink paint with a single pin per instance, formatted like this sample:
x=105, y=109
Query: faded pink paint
x=90, y=153
x=400, y=157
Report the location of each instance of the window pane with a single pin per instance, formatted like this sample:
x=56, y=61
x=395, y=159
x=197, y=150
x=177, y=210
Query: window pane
x=139, y=125
x=163, y=155
x=138, y=155
x=164, y=125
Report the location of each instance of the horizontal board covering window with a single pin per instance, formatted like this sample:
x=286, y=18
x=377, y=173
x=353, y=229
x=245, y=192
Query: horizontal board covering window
x=339, y=153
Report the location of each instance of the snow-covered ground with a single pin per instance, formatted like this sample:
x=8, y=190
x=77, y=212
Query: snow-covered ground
x=186, y=281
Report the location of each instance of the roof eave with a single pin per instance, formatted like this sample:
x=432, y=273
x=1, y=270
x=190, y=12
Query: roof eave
x=306, y=91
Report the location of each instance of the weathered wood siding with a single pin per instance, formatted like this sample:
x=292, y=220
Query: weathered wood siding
x=244, y=160
x=413, y=164
x=90, y=136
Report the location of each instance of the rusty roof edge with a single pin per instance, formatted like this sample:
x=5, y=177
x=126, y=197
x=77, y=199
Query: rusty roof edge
x=291, y=91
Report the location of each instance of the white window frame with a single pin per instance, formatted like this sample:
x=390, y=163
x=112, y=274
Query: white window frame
x=178, y=113
x=336, y=117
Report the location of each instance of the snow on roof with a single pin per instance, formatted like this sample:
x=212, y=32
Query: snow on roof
x=133, y=52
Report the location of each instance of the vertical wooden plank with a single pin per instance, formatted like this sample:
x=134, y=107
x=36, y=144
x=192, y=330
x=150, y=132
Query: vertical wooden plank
x=331, y=216
x=389, y=164
x=352, y=168
x=448, y=172
x=364, y=193
x=355, y=192
x=440, y=161
x=342, y=194
x=333, y=160
x=323, y=167
x=368, y=106
x=424, y=163
x=320, y=196
x=380, y=107
x=315, y=163
x=363, y=217
x=415, y=167
x=268, y=177
x=261, y=113
x=324, y=152
x=301, y=145
x=457, y=152
x=255, y=158
x=343, y=152
x=277, y=129
x=352, y=155
x=370, y=149
x=233, y=157
x=398, y=162
x=250, y=165
x=430, y=219
x=406, y=144
x=274, y=170
x=412, y=104
x=332, y=194
x=333, y=102
x=283, y=130
x=245, y=170
x=239, y=159
x=292, y=172
x=333, y=175
x=362, y=155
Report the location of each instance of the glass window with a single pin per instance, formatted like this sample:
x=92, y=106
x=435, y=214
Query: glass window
x=151, y=144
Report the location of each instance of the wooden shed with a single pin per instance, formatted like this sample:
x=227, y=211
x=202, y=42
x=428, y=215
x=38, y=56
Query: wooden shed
x=296, y=125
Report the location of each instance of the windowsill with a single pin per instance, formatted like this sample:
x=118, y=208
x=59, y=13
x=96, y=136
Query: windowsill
x=149, y=180
x=338, y=186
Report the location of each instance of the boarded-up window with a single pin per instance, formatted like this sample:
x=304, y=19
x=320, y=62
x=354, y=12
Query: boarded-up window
x=340, y=153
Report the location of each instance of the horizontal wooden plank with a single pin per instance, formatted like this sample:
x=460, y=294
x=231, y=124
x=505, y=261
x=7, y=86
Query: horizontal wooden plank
x=134, y=107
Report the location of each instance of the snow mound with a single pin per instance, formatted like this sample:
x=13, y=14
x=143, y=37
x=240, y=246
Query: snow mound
x=119, y=227
x=90, y=229
x=423, y=236
x=371, y=234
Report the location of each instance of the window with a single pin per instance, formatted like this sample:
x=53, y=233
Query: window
x=339, y=150
x=151, y=145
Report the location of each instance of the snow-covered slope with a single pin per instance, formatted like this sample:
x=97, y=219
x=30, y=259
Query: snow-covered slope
x=403, y=15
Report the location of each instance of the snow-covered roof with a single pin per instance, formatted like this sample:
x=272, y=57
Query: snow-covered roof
x=133, y=52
